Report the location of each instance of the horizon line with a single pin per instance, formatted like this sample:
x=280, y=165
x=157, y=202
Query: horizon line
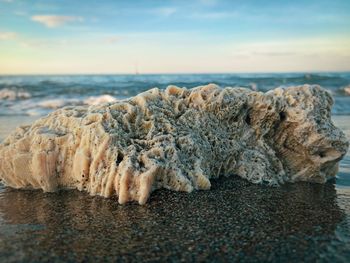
x=176, y=73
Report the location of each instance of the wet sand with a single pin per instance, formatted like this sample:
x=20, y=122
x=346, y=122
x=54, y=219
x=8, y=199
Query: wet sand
x=234, y=221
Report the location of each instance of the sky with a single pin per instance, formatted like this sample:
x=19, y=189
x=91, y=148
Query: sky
x=168, y=36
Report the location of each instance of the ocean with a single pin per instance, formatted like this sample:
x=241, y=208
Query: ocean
x=235, y=220
x=38, y=95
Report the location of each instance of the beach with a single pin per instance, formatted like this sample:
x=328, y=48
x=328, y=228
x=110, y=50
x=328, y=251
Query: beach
x=174, y=131
x=233, y=221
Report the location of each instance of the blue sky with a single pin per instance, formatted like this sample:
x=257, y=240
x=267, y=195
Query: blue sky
x=61, y=36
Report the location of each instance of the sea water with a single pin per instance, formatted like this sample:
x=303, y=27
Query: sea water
x=38, y=95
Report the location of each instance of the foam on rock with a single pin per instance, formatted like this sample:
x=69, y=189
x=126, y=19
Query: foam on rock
x=177, y=139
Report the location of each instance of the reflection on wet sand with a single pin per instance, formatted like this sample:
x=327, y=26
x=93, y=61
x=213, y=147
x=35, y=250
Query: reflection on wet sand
x=235, y=220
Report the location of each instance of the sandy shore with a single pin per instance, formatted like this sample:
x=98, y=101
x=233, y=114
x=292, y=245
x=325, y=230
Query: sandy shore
x=235, y=220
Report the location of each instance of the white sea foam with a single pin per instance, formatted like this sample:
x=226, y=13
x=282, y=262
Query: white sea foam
x=37, y=112
x=62, y=102
x=12, y=94
x=253, y=86
x=58, y=103
x=40, y=107
x=95, y=100
x=347, y=90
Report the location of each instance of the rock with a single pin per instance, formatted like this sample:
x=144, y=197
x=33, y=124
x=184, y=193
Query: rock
x=178, y=139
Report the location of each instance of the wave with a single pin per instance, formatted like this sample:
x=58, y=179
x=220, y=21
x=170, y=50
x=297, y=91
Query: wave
x=347, y=90
x=92, y=100
x=37, y=95
x=95, y=100
x=43, y=106
x=13, y=94
x=58, y=103
x=94, y=85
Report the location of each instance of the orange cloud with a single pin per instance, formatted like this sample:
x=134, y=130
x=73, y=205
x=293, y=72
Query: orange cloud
x=54, y=20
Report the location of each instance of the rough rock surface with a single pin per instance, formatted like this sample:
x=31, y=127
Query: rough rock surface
x=178, y=139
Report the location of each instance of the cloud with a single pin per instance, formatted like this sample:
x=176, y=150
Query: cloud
x=294, y=50
x=42, y=43
x=273, y=53
x=54, y=20
x=7, y=35
x=250, y=51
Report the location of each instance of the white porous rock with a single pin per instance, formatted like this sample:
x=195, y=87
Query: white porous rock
x=177, y=139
